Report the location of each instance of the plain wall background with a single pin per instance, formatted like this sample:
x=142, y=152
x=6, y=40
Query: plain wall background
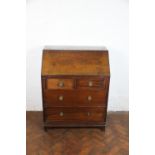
x=79, y=22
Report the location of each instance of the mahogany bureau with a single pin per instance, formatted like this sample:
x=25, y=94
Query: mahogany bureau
x=75, y=86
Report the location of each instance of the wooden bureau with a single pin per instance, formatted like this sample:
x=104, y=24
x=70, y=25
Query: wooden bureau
x=75, y=86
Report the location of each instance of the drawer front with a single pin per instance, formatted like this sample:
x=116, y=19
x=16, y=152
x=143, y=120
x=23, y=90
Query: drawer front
x=59, y=83
x=90, y=83
x=75, y=114
x=74, y=98
x=58, y=98
x=93, y=98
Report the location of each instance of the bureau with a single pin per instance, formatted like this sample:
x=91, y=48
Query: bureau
x=75, y=86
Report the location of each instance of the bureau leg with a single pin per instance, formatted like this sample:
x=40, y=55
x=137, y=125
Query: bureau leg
x=45, y=129
x=103, y=129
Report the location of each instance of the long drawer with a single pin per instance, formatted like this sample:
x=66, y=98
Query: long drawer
x=74, y=98
x=62, y=114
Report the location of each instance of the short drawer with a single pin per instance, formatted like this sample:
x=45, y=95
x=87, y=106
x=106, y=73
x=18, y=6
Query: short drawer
x=90, y=83
x=59, y=83
x=74, y=98
x=75, y=114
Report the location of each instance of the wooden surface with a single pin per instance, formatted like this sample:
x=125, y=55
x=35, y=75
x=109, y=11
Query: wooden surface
x=76, y=98
x=78, y=115
x=78, y=141
x=90, y=83
x=72, y=99
x=75, y=86
x=75, y=63
x=60, y=83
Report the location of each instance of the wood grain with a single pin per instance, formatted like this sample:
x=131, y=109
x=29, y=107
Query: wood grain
x=90, y=83
x=78, y=98
x=53, y=83
x=75, y=84
x=78, y=141
x=71, y=114
x=75, y=63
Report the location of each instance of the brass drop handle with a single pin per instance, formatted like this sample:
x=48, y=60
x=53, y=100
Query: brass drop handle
x=61, y=113
x=90, y=83
x=61, y=84
x=89, y=98
x=88, y=113
x=61, y=98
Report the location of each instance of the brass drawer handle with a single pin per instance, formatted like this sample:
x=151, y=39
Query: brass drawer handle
x=90, y=83
x=89, y=98
x=61, y=113
x=88, y=113
x=61, y=98
x=61, y=84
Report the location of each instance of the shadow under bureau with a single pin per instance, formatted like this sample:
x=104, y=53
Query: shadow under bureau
x=75, y=86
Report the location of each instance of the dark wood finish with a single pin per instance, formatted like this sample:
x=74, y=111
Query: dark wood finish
x=74, y=98
x=75, y=88
x=75, y=114
x=78, y=141
x=90, y=83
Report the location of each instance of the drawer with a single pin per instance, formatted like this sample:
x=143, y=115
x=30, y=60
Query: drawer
x=52, y=83
x=91, y=98
x=75, y=114
x=58, y=98
x=90, y=83
x=74, y=98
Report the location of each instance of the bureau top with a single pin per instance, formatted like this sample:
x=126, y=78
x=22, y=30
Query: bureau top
x=73, y=61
